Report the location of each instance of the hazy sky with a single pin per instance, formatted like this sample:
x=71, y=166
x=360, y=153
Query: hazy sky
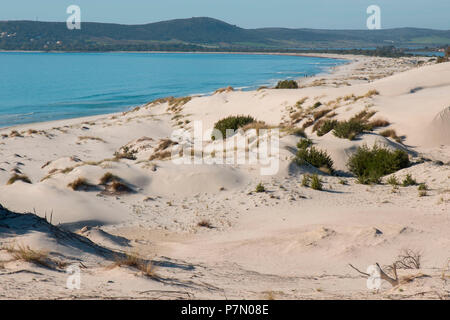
x=334, y=14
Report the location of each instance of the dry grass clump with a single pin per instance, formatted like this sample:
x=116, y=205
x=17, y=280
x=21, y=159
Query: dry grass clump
x=113, y=184
x=205, y=224
x=15, y=133
x=175, y=104
x=296, y=117
x=364, y=115
x=257, y=125
x=319, y=114
x=32, y=131
x=292, y=130
x=371, y=93
x=25, y=253
x=125, y=153
x=16, y=177
x=226, y=89
x=161, y=155
x=118, y=187
x=164, y=144
x=80, y=184
x=349, y=97
x=390, y=133
x=107, y=178
x=308, y=123
x=300, y=102
x=83, y=138
x=161, y=152
x=133, y=260
x=378, y=123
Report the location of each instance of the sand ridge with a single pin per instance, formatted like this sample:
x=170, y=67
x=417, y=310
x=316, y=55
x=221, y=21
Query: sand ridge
x=207, y=231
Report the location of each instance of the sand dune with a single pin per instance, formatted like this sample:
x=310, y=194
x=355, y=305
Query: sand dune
x=109, y=188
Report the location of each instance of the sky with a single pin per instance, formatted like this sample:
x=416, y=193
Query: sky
x=321, y=14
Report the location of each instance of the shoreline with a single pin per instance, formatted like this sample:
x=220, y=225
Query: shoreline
x=312, y=54
x=330, y=71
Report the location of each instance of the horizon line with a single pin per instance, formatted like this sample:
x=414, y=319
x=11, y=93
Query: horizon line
x=203, y=17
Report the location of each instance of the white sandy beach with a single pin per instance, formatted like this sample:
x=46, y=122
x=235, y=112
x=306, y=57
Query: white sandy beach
x=290, y=242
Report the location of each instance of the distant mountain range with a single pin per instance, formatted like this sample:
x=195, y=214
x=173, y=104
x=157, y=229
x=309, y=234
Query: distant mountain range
x=202, y=34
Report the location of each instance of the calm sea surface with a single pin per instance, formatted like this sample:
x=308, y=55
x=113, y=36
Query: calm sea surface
x=38, y=87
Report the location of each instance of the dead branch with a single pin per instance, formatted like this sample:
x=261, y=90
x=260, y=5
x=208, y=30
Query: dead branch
x=363, y=273
x=393, y=281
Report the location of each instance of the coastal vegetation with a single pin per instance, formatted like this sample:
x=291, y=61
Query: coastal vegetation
x=287, y=84
x=369, y=165
x=231, y=123
x=208, y=35
x=315, y=157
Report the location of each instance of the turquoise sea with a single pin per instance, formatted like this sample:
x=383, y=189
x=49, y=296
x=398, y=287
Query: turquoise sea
x=38, y=87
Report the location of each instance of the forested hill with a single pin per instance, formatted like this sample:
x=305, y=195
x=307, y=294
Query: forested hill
x=201, y=34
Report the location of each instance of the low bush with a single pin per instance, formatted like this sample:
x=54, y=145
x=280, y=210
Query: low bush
x=287, y=84
x=408, y=181
x=314, y=157
x=304, y=143
x=316, y=184
x=423, y=187
x=393, y=181
x=231, y=123
x=369, y=165
x=349, y=129
x=260, y=188
x=326, y=127
x=305, y=180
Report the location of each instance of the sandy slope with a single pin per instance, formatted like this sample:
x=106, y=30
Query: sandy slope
x=289, y=242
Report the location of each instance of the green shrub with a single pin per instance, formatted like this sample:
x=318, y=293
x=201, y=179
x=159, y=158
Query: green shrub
x=349, y=129
x=315, y=157
x=260, y=188
x=316, y=184
x=423, y=193
x=231, y=123
x=423, y=187
x=409, y=181
x=326, y=127
x=393, y=181
x=304, y=143
x=305, y=180
x=317, y=104
x=369, y=165
x=287, y=84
